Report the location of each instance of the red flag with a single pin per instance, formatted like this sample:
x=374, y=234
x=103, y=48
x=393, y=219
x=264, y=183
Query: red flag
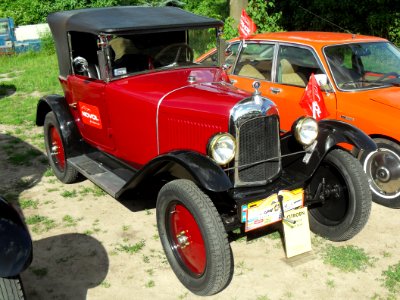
x=246, y=25
x=312, y=100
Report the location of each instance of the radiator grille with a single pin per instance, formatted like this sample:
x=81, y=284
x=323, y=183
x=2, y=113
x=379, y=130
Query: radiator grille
x=258, y=141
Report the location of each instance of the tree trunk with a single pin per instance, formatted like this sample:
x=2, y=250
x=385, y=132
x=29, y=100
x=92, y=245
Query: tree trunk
x=235, y=8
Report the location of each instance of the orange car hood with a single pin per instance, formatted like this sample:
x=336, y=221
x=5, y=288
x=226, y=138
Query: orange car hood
x=389, y=97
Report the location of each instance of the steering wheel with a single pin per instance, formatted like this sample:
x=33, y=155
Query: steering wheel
x=172, y=54
x=386, y=75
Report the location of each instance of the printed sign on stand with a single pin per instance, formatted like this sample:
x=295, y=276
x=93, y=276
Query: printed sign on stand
x=297, y=232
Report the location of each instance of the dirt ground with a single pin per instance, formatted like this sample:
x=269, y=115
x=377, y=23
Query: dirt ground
x=88, y=245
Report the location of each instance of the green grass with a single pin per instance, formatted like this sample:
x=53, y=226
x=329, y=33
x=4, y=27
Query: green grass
x=28, y=203
x=69, y=194
x=49, y=172
x=40, y=223
x=347, y=258
x=129, y=248
x=32, y=75
x=150, y=284
x=105, y=284
x=23, y=183
x=95, y=191
x=392, y=278
x=39, y=272
x=23, y=158
x=70, y=221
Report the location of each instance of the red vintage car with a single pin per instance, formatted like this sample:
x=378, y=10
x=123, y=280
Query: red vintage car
x=137, y=108
x=361, y=87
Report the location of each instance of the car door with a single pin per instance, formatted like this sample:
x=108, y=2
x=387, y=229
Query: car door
x=90, y=110
x=292, y=66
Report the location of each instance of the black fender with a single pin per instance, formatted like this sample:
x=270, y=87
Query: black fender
x=336, y=132
x=184, y=165
x=331, y=133
x=69, y=132
x=15, y=241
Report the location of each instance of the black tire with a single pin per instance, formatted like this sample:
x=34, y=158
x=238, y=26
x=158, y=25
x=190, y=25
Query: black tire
x=56, y=151
x=346, y=210
x=11, y=289
x=383, y=169
x=206, y=266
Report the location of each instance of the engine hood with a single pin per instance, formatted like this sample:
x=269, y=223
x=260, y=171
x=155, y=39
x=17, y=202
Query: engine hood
x=195, y=89
x=389, y=97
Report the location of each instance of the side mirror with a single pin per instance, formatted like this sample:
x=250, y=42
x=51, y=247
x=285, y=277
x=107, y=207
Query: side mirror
x=323, y=82
x=228, y=51
x=80, y=64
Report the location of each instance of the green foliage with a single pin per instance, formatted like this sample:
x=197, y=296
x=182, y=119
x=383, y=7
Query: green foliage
x=230, y=28
x=394, y=29
x=218, y=9
x=368, y=17
x=36, y=11
x=261, y=12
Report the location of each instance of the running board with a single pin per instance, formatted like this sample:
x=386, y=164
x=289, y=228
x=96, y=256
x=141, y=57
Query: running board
x=107, y=173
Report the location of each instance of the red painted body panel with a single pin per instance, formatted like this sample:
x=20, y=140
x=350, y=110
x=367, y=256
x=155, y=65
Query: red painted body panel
x=191, y=115
x=128, y=110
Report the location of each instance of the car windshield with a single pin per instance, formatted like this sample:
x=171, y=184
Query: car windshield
x=364, y=65
x=144, y=52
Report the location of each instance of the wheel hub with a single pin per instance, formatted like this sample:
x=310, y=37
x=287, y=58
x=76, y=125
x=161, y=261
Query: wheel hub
x=383, y=170
x=183, y=240
x=383, y=174
x=54, y=149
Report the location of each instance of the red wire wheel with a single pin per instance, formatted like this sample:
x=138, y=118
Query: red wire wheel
x=193, y=237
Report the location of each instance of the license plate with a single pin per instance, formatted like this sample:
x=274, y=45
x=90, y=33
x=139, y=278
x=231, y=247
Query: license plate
x=266, y=211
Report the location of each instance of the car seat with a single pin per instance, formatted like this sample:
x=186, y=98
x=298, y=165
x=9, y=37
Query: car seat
x=288, y=74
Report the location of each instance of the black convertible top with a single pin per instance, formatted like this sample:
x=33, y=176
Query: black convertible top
x=120, y=20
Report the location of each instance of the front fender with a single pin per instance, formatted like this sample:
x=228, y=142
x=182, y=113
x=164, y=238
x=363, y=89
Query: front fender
x=184, y=164
x=335, y=132
x=15, y=242
x=331, y=133
x=69, y=132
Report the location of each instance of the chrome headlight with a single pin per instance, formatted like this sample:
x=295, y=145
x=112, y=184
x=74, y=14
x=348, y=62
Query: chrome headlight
x=306, y=130
x=222, y=148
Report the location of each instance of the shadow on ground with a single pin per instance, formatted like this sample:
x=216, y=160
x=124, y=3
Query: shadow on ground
x=81, y=259
x=7, y=90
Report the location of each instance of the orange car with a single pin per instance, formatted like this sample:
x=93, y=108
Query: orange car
x=360, y=84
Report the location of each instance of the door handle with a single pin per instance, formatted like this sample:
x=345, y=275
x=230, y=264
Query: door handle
x=275, y=90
